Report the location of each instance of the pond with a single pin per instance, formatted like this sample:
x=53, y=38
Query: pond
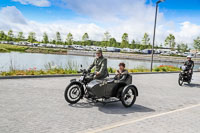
x=23, y=61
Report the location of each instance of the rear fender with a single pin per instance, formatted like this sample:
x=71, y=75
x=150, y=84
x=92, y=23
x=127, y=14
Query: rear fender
x=133, y=87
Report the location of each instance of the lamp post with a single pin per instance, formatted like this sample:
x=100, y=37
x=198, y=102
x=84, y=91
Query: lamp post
x=154, y=33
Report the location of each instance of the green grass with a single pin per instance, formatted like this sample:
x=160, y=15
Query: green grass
x=38, y=72
x=8, y=48
x=68, y=70
x=3, y=50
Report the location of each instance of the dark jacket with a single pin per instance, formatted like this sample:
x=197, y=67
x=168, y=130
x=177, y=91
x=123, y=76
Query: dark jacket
x=100, y=65
x=189, y=64
x=121, y=76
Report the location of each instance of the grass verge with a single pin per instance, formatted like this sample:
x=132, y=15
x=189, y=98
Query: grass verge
x=53, y=71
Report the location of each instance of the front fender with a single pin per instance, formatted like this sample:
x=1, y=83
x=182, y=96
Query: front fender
x=133, y=87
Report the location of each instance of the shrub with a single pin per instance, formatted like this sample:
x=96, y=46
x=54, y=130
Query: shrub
x=166, y=68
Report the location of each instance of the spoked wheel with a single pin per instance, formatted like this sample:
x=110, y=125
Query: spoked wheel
x=180, y=80
x=128, y=96
x=73, y=93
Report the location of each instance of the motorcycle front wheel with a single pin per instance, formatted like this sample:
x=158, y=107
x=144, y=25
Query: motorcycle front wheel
x=180, y=80
x=73, y=93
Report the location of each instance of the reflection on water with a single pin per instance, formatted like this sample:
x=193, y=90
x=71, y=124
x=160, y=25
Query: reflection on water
x=30, y=60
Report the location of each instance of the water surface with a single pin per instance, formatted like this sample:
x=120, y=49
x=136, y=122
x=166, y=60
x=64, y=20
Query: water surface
x=25, y=61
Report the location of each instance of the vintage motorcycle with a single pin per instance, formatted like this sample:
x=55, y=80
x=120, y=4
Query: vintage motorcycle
x=101, y=90
x=184, y=76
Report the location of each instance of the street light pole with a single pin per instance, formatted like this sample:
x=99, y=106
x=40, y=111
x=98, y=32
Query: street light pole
x=154, y=33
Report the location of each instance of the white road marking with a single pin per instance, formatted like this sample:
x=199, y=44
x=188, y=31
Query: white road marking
x=115, y=125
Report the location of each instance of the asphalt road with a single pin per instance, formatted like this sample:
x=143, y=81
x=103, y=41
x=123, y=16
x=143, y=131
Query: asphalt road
x=38, y=106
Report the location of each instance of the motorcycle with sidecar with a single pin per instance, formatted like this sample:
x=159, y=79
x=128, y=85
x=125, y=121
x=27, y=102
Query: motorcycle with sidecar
x=101, y=90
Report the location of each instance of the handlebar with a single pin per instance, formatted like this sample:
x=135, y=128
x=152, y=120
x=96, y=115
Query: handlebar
x=84, y=71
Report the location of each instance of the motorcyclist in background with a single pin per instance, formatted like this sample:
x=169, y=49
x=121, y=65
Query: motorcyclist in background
x=100, y=65
x=189, y=64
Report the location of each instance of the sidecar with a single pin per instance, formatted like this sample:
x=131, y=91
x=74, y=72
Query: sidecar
x=124, y=91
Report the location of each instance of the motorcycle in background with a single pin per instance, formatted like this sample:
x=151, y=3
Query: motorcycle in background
x=184, y=76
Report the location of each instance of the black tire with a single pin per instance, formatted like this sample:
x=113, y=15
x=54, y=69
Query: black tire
x=180, y=80
x=189, y=80
x=73, y=93
x=128, y=93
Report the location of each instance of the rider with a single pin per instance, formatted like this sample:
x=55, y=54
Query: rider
x=100, y=65
x=189, y=64
x=121, y=73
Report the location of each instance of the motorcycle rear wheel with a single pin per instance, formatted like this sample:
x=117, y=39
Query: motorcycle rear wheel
x=128, y=96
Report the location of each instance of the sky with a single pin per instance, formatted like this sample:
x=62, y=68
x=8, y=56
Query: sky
x=135, y=17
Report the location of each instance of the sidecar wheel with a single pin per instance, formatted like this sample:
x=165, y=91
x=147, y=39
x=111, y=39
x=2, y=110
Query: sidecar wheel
x=180, y=80
x=73, y=93
x=128, y=96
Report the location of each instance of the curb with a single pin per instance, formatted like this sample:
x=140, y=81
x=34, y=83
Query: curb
x=74, y=75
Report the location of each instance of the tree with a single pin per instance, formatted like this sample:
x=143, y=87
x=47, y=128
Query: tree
x=69, y=39
x=170, y=41
x=58, y=38
x=45, y=38
x=182, y=47
x=32, y=37
x=2, y=35
x=20, y=36
x=179, y=48
x=53, y=41
x=133, y=44
x=107, y=36
x=125, y=42
x=85, y=37
x=197, y=43
x=146, y=39
x=113, y=42
x=10, y=35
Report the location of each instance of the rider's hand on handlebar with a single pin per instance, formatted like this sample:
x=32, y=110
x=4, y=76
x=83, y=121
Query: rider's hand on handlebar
x=97, y=73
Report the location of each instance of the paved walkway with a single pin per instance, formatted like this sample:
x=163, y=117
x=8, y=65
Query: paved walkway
x=38, y=105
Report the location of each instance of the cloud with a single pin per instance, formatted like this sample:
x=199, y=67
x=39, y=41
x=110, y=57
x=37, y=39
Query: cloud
x=40, y=3
x=118, y=16
x=133, y=17
x=13, y=19
x=187, y=32
x=110, y=10
x=11, y=14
